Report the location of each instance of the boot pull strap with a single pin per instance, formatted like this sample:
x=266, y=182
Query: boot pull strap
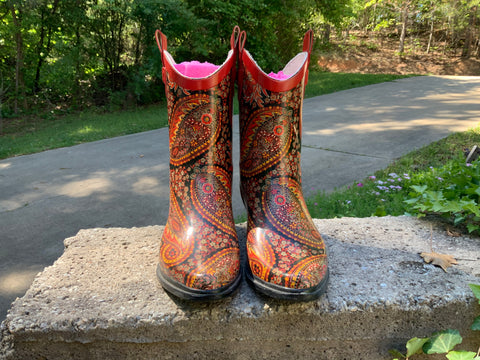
x=241, y=41
x=308, y=41
x=235, y=36
x=161, y=41
x=308, y=47
x=162, y=45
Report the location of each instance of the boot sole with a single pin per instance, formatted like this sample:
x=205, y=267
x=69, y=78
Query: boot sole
x=284, y=293
x=184, y=292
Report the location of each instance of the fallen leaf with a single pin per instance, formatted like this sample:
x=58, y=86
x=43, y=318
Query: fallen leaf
x=453, y=233
x=442, y=260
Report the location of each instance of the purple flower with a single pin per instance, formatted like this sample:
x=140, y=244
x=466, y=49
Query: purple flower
x=468, y=164
x=316, y=204
x=439, y=178
x=372, y=177
x=406, y=176
x=360, y=184
x=393, y=175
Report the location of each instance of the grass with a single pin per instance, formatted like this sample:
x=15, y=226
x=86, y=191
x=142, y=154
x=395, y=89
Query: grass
x=383, y=193
x=34, y=134
x=320, y=83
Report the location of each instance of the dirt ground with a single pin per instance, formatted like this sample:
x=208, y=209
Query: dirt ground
x=363, y=54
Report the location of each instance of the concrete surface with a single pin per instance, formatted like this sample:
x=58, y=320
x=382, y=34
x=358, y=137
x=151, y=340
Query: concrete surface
x=123, y=182
x=101, y=300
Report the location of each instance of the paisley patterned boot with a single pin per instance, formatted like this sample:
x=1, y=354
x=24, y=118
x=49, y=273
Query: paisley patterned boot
x=199, y=251
x=286, y=254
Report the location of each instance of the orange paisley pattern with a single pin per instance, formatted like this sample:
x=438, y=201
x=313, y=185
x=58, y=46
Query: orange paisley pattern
x=199, y=247
x=283, y=245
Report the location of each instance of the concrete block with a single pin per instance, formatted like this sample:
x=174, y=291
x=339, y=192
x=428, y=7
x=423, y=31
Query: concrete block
x=101, y=300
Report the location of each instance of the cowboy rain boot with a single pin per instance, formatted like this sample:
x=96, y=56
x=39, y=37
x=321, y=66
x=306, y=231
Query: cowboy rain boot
x=199, y=252
x=286, y=254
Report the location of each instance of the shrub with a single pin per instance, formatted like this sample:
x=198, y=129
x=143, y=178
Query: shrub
x=451, y=191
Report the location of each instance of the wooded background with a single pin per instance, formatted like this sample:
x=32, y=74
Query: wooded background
x=79, y=53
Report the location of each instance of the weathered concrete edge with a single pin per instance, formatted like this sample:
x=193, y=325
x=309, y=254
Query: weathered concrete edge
x=272, y=321
x=272, y=338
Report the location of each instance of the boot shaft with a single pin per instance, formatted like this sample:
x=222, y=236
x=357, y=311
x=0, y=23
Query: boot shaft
x=271, y=117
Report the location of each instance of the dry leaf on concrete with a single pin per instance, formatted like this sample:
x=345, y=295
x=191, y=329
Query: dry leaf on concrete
x=453, y=233
x=442, y=260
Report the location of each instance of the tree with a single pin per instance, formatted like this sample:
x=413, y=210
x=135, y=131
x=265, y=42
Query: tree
x=48, y=22
x=470, y=29
x=16, y=10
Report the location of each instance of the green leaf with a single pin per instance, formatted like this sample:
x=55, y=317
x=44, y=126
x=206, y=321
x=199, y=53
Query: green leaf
x=454, y=206
x=412, y=201
x=395, y=352
x=472, y=227
x=476, y=323
x=472, y=206
x=437, y=206
x=435, y=196
x=380, y=211
x=442, y=342
x=419, y=188
x=414, y=346
x=476, y=290
x=461, y=355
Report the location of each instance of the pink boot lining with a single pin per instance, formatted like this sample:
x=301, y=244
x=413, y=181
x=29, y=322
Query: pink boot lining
x=196, y=69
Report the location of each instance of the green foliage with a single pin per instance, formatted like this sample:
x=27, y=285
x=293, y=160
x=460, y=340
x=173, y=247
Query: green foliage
x=461, y=355
x=451, y=191
x=74, y=53
x=441, y=342
x=415, y=346
x=63, y=53
x=476, y=291
x=379, y=195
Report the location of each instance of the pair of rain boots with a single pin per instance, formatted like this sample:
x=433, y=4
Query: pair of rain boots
x=199, y=250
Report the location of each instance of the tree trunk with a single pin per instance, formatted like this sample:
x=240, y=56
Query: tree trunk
x=19, y=64
x=430, y=37
x=403, y=34
x=467, y=47
x=36, y=82
x=2, y=94
x=46, y=33
x=326, y=34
